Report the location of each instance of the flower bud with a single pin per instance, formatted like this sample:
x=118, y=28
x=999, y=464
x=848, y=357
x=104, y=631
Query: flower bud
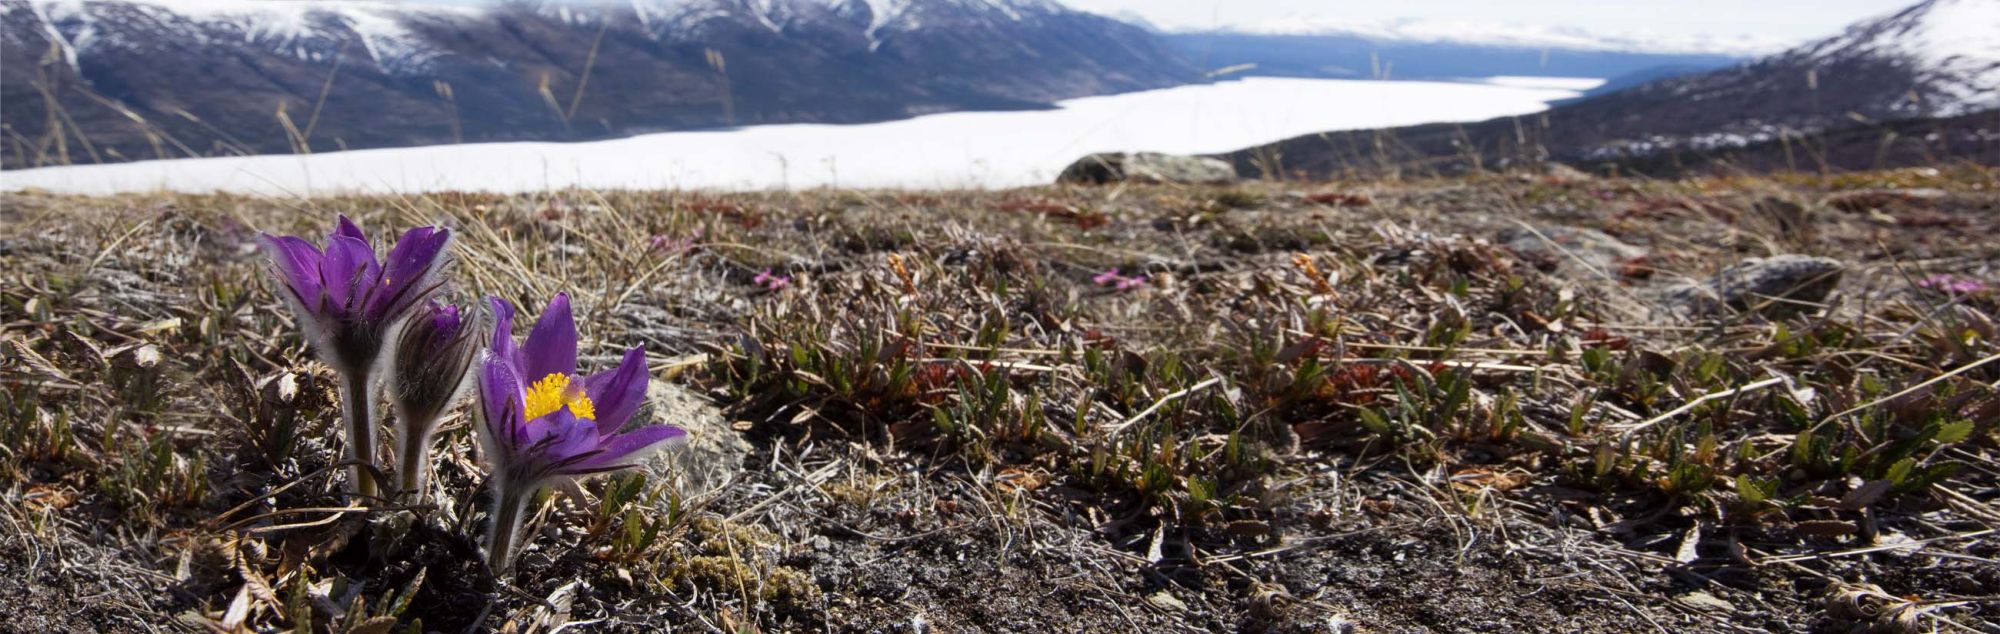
x=426, y=377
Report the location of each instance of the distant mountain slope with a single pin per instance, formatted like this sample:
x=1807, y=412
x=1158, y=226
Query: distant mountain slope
x=1505, y=34
x=1352, y=56
x=139, y=79
x=1634, y=79
x=1937, y=60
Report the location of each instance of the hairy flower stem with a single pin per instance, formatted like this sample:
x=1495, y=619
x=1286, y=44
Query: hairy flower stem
x=509, y=505
x=413, y=457
x=359, y=416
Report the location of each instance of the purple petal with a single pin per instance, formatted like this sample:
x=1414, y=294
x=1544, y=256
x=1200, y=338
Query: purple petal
x=345, y=228
x=560, y=436
x=503, y=331
x=348, y=271
x=445, y=318
x=503, y=400
x=409, y=267
x=551, y=346
x=617, y=394
x=415, y=251
x=298, y=265
x=628, y=448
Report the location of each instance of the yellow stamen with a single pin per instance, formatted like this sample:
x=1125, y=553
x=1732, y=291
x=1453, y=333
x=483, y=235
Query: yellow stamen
x=554, y=392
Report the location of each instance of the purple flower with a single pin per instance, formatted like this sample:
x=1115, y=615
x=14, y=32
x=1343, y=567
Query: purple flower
x=1106, y=278
x=543, y=422
x=427, y=376
x=348, y=301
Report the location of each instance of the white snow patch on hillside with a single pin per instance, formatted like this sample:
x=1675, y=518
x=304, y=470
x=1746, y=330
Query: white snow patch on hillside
x=282, y=26
x=54, y=34
x=391, y=44
x=966, y=149
x=880, y=12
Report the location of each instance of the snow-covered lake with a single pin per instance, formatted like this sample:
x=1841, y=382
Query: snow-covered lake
x=964, y=149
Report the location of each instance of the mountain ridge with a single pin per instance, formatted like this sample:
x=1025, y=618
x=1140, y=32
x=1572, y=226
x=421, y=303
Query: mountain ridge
x=1875, y=73
x=119, y=80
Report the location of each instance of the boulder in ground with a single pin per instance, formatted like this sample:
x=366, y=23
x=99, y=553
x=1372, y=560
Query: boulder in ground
x=714, y=452
x=1575, y=252
x=1776, y=285
x=1147, y=167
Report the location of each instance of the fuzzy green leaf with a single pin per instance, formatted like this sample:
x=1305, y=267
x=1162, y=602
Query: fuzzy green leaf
x=1954, y=432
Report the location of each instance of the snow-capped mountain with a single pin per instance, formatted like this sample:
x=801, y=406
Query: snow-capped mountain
x=1939, y=58
x=1863, y=96
x=385, y=32
x=1949, y=50
x=125, y=79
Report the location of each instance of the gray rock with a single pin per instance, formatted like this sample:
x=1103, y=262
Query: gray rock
x=1578, y=253
x=1776, y=285
x=714, y=452
x=1147, y=167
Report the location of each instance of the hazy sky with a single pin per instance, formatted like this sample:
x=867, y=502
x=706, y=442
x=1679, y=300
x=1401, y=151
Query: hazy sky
x=1791, y=21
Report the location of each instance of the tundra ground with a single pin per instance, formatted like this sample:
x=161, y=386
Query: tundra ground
x=1327, y=407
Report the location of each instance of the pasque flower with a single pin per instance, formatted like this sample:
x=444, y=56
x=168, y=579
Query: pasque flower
x=426, y=377
x=348, y=301
x=542, y=422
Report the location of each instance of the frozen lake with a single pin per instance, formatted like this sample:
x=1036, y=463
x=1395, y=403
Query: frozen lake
x=965, y=149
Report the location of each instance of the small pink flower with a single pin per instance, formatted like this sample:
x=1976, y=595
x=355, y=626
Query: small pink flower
x=1118, y=282
x=772, y=282
x=1953, y=284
